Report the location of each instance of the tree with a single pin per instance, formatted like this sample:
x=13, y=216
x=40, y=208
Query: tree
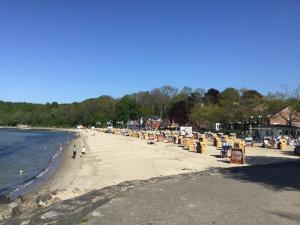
x=161, y=99
x=229, y=97
x=229, y=106
x=251, y=97
x=127, y=109
x=200, y=92
x=146, y=103
x=179, y=113
x=212, y=96
x=296, y=92
x=186, y=91
x=206, y=115
x=199, y=115
x=169, y=91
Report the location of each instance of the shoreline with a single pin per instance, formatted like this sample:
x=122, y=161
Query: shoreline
x=31, y=190
x=71, y=129
x=113, y=159
x=45, y=173
x=90, y=202
x=65, y=164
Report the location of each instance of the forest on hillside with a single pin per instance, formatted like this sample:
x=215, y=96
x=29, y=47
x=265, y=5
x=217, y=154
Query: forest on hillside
x=185, y=106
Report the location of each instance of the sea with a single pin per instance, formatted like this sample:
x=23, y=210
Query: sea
x=28, y=158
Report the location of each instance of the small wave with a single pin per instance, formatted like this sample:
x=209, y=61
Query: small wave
x=23, y=186
x=7, y=150
x=3, y=190
x=3, y=147
x=38, y=177
x=43, y=172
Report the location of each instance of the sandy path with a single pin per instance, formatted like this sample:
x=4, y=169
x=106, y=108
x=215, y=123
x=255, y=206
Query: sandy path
x=112, y=159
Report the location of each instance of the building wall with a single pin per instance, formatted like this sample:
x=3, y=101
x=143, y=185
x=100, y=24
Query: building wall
x=280, y=118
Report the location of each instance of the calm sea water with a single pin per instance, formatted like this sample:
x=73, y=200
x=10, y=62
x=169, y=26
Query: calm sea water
x=35, y=152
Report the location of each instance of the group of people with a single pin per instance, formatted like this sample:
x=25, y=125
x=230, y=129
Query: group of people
x=83, y=151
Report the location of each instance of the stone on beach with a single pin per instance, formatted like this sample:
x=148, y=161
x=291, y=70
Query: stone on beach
x=27, y=205
x=113, y=159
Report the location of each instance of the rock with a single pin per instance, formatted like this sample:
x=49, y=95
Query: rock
x=20, y=199
x=96, y=213
x=2, y=217
x=18, y=210
x=97, y=199
x=76, y=191
x=4, y=214
x=26, y=222
x=5, y=207
x=4, y=199
x=30, y=203
x=54, y=192
x=50, y=215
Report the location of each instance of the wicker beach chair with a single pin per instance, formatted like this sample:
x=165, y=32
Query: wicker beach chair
x=151, y=139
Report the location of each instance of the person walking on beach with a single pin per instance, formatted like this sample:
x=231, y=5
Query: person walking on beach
x=83, y=151
x=74, y=152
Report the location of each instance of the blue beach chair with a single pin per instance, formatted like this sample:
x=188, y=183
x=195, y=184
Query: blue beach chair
x=224, y=151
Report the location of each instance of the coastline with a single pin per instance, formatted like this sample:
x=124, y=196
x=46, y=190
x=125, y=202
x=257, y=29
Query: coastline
x=53, y=185
x=32, y=183
x=113, y=159
x=41, y=128
x=30, y=192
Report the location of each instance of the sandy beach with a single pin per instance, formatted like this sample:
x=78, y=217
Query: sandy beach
x=112, y=159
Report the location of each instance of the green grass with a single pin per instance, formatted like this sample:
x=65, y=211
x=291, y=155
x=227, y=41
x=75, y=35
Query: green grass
x=83, y=220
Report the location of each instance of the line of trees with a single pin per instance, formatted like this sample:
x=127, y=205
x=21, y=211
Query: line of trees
x=196, y=107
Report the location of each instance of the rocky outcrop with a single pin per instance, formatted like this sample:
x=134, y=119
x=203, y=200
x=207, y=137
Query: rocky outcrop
x=27, y=205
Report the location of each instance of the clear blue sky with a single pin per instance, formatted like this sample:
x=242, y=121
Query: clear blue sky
x=72, y=50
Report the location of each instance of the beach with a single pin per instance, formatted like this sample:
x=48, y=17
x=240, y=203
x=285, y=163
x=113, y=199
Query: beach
x=112, y=159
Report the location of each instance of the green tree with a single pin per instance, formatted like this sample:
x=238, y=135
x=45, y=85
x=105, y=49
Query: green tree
x=229, y=97
x=212, y=96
